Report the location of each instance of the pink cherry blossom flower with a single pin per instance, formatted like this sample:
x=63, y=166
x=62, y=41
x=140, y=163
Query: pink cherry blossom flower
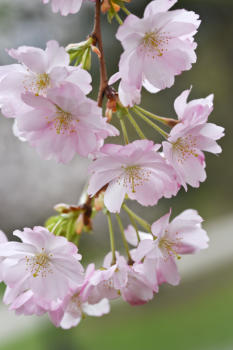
x=138, y=289
x=136, y=169
x=76, y=304
x=66, y=6
x=77, y=308
x=156, y=48
x=38, y=70
x=44, y=264
x=63, y=123
x=121, y=279
x=107, y=281
x=129, y=94
x=24, y=303
x=190, y=137
x=183, y=235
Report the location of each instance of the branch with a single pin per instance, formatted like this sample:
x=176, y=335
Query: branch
x=97, y=36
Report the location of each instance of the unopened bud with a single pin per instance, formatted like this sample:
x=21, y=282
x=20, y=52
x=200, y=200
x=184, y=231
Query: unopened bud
x=77, y=46
x=112, y=104
x=79, y=225
x=61, y=207
x=96, y=50
x=108, y=114
x=106, y=6
x=99, y=202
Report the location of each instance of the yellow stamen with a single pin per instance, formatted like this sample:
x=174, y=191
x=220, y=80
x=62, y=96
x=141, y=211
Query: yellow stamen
x=135, y=176
x=186, y=147
x=39, y=265
x=155, y=42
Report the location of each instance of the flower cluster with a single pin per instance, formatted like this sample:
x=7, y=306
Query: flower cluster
x=43, y=273
x=47, y=97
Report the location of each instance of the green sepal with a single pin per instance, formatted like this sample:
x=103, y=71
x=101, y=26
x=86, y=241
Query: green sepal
x=119, y=2
x=111, y=14
x=51, y=221
x=86, y=59
x=121, y=111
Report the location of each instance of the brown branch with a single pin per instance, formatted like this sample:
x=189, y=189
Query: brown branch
x=97, y=36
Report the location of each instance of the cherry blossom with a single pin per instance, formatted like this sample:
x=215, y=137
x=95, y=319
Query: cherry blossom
x=120, y=278
x=136, y=169
x=38, y=70
x=158, y=250
x=156, y=48
x=76, y=304
x=43, y=263
x=24, y=303
x=48, y=100
x=63, y=123
x=67, y=6
x=190, y=137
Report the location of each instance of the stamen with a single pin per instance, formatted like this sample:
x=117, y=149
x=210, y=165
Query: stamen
x=185, y=147
x=170, y=245
x=155, y=43
x=64, y=122
x=42, y=82
x=39, y=264
x=135, y=176
x=37, y=83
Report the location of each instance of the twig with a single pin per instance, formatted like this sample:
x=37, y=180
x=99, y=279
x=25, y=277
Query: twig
x=97, y=36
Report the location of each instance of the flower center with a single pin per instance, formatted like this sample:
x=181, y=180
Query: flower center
x=135, y=176
x=37, y=84
x=64, y=122
x=170, y=247
x=155, y=43
x=39, y=265
x=42, y=82
x=186, y=147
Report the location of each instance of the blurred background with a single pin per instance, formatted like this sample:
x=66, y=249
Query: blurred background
x=198, y=314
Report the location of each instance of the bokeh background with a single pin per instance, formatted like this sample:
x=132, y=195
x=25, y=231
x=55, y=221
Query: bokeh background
x=198, y=314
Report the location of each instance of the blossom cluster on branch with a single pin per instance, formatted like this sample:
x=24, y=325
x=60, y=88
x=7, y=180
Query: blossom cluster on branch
x=48, y=99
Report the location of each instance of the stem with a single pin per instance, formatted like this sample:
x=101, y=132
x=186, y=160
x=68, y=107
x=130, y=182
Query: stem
x=124, y=131
x=118, y=18
x=141, y=221
x=136, y=126
x=148, y=121
x=112, y=240
x=96, y=35
x=166, y=121
x=123, y=237
x=126, y=11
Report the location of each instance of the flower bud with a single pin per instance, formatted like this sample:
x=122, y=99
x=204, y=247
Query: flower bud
x=60, y=207
x=99, y=202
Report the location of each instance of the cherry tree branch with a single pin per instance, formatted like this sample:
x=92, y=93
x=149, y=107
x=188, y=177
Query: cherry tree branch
x=97, y=36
